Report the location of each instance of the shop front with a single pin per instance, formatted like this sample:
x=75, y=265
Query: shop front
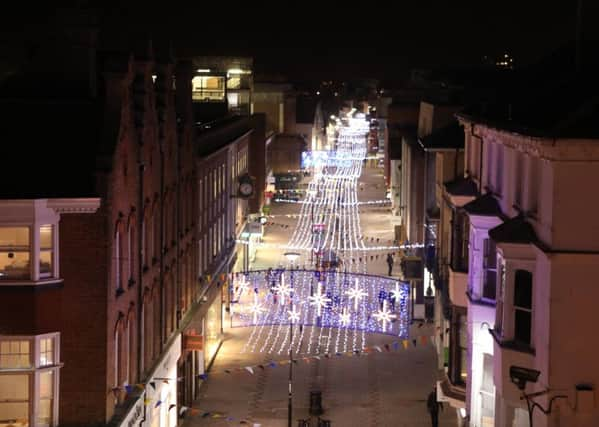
x=157, y=406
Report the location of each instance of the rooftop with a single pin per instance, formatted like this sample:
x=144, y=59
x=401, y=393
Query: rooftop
x=450, y=136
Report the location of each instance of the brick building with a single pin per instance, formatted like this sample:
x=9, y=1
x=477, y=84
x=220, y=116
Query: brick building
x=111, y=258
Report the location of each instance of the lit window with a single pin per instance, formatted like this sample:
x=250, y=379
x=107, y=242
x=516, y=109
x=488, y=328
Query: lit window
x=46, y=351
x=14, y=253
x=44, y=414
x=14, y=399
x=15, y=354
x=46, y=249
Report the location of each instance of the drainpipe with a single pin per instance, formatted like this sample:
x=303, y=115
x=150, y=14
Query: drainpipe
x=178, y=228
x=161, y=254
x=140, y=219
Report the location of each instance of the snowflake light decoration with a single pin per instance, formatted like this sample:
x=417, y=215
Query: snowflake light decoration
x=356, y=294
x=384, y=315
x=294, y=315
x=319, y=300
x=344, y=317
x=256, y=308
x=242, y=285
x=283, y=289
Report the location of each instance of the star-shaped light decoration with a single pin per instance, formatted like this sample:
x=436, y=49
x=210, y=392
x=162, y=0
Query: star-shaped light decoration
x=396, y=293
x=344, y=317
x=356, y=294
x=319, y=300
x=256, y=308
x=283, y=289
x=242, y=285
x=294, y=315
x=384, y=315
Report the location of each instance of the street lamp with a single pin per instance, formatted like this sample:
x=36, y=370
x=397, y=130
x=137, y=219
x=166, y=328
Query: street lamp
x=293, y=316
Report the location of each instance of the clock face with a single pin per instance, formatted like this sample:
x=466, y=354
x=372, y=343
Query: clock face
x=245, y=188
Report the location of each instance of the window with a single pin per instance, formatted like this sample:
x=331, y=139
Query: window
x=522, y=306
x=14, y=253
x=118, y=264
x=489, y=270
x=44, y=416
x=14, y=400
x=487, y=392
x=129, y=256
x=46, y=250
x=46, y=352
x=463, y=348
x=500, y=298
x=15, y=354
x=116, y=358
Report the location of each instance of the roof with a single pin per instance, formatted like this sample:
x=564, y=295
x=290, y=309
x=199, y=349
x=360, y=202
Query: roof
x=485, y=205
x=514, y=230
x=49, y=148
x=213, y=136
x=461, y=187
x=450, y=136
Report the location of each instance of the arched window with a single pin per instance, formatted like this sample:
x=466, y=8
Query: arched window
x=523, y=306
x=119, y=255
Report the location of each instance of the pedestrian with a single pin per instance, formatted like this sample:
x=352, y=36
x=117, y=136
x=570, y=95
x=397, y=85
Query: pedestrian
x=433, y=407
x=390, y=262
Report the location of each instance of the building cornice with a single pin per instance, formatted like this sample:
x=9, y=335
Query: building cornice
x=88, y=205
x=553, y=149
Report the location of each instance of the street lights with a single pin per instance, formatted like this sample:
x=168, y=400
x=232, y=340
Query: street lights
x=291, y=257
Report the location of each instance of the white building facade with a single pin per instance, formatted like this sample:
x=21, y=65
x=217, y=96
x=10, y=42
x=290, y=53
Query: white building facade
x=533, y=263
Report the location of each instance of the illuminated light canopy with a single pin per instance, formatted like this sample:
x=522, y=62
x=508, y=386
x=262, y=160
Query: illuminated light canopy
x=203, y=70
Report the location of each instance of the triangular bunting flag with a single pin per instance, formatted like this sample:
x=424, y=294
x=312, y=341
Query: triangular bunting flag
x=153, y=385
x=379, y=349
x=147, y=402
x=414, y=342
x=182, y=410
x=423, y=339
x=203, y=376
x=395, y=345
x=171, y=406
x=387, y=347
x=249, y=369
x=405, y=344
x=158, y=404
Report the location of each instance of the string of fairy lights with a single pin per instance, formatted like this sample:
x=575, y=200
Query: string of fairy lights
x=334, y=302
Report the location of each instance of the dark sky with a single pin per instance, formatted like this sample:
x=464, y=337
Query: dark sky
x=340, y=40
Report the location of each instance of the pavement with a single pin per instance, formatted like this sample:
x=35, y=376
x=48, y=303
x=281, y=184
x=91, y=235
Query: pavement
x=381, y=389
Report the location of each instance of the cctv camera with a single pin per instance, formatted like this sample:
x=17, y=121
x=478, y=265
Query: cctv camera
x=520, y=376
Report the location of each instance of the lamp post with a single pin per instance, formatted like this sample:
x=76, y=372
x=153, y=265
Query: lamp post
x=291, y=257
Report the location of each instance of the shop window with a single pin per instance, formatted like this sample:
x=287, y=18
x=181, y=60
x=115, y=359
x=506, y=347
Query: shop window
x=15, y=253
x=523, y=306
x=15, y=354
x=14, y=400
x=46, y=250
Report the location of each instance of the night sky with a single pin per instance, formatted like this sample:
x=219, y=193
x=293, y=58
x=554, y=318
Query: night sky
x=339, y=40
